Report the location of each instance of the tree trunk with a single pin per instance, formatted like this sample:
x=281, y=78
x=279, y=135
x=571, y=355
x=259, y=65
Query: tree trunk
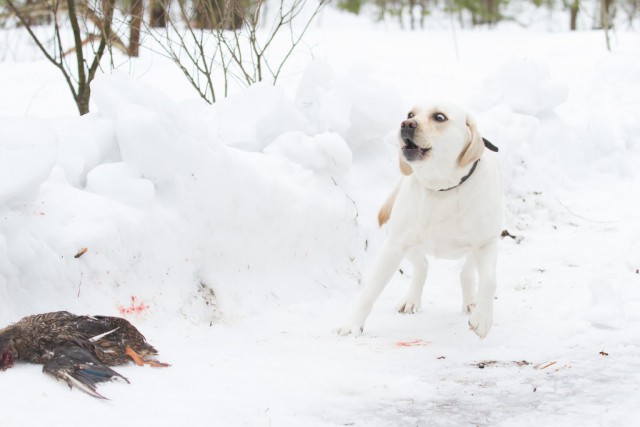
x=492, y=7
x=134, y=28
x=574, y=8
x=574, y=17
x=604, y=16
x=412, y=19
x=424, y=10
x=220, y=14
x=80, y=96
x=157, y=14
x=82, y=100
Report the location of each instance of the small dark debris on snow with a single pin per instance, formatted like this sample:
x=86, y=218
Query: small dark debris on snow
x=81, y=252
x=517, y=239
x=487, y=363
x=441, y=358
x=604, y=353
x=482, y=365
x=542, y=366
x=505, y=233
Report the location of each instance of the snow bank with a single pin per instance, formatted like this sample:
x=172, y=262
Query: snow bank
x=27, y=155
x=173, y=216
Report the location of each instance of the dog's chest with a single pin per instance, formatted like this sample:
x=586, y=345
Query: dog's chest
x=442, y=226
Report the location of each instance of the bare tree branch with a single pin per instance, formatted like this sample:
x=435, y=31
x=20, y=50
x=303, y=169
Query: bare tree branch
x=78, y=82
x=241, y=52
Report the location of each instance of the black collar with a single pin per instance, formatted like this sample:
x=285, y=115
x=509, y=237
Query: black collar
x=487, y=144
x=464, y=178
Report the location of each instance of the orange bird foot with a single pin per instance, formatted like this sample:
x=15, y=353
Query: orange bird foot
x=140, y=360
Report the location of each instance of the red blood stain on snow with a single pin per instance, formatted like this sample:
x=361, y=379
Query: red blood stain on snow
x=135, y=307
x=412, y=343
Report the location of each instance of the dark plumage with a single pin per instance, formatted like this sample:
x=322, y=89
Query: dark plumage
x=76, y=349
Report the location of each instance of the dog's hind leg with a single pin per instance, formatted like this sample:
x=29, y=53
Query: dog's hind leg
x=468, y=279
x=413, y=300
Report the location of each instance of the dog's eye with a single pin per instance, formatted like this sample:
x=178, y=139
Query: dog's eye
x=410, y=115
x=439, y=117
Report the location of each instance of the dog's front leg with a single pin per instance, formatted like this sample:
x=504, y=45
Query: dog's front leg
x=413, y=300
x=386, y=264
x=482, y=314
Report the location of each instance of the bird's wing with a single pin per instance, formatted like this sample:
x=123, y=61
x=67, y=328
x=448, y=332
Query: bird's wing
x=79, y=368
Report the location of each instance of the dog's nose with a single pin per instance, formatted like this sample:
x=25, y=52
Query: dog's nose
x=408, y=128
x=409, y=123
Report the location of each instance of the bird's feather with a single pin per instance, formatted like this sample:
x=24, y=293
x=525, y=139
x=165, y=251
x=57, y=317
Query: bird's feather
x=100, y=336
x=79, y=368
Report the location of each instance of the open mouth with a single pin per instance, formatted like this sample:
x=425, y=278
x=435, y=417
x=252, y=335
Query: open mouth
x=412, y=152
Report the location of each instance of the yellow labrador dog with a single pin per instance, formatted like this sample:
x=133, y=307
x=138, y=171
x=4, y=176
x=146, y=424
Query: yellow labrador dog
x=448, y=205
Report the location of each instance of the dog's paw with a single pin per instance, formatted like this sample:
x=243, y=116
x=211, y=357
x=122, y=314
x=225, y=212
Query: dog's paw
x=480, y=321
x=410, y=306
x=354, y=330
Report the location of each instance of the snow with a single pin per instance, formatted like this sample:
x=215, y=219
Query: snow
x=523, y=85
x=28, y=155
x=235, y=235
x=325, y=152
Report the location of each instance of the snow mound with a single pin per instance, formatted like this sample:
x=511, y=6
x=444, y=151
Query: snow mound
x=612, y=105
x=326, y=152
x=28, y=150
x=255, y=117
x=119, y=181
x=357, y=107
x=83, y=144
x=525, y=86
x=168, y=210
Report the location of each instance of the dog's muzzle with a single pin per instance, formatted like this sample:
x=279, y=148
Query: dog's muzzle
x=410, y=150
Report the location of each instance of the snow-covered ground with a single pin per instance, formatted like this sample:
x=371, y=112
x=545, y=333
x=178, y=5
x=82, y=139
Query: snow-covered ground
x=235, y=235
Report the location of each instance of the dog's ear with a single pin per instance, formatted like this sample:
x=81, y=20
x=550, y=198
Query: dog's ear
x=404, y=166
x=476, y=145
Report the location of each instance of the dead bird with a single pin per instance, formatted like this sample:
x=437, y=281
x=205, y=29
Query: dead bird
x=76, y=349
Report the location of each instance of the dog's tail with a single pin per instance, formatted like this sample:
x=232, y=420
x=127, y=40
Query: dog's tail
x=387, y=207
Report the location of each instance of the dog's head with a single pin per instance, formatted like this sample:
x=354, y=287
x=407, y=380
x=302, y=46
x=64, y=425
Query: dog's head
x=438, y=136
